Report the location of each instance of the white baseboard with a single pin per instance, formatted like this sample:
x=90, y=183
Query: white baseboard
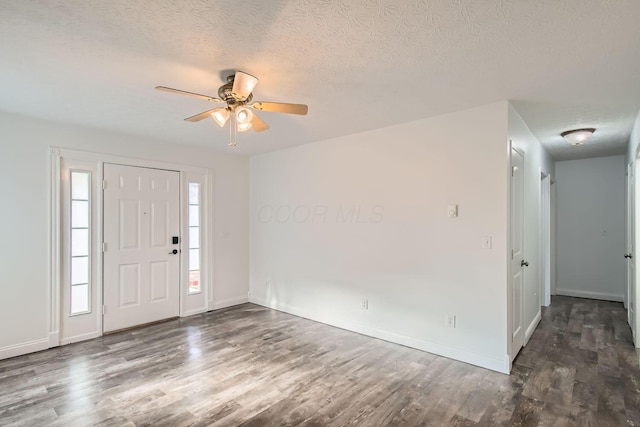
x=54, y=339
x=590, y=294
x=23, y=348
x=501, y=365
x=228, y=302
x=81, y=337
x=532, y=327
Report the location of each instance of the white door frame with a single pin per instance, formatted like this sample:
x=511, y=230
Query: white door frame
x=545, y=238
x=552, y=232
x=510, y=309
x=628, y=236
x=199, y=302
x=635, y=236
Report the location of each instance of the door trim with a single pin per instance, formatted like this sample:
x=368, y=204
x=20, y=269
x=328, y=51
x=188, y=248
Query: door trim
x=545, y=238
x=56, y=257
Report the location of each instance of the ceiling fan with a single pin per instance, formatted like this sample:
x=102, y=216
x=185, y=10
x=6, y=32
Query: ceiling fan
x=237, y=93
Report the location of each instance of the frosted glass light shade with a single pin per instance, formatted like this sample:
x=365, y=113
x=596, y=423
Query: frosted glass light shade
x=243, y=85
x=243, y=115
x=220, y=116
x=244, y=126
x=578, y=136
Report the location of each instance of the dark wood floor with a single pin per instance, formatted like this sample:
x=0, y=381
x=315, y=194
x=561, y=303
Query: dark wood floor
x=252, y=366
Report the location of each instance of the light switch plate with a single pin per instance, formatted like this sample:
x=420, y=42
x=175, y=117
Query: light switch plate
x=486, y=242
x=452, y=211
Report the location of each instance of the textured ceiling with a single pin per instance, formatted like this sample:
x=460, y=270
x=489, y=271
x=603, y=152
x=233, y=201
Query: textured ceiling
x=358, y=64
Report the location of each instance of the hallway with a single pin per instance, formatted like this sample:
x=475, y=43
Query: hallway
x=581, y=364
x=248, y=365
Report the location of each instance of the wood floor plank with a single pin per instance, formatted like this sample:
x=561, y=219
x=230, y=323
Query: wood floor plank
x=252, y=366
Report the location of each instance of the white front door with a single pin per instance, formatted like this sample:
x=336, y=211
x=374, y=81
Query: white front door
x=517, y=256
x=141, y=272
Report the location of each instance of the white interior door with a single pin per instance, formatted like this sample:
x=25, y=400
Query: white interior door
x=630, y=300
x=141, y=271
x=517, y=256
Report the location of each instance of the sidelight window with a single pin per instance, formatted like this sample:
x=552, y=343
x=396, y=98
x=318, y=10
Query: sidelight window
x=80, y=242
x=194, y=238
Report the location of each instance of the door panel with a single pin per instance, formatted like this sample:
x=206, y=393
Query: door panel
x=129, y=225
x=159, y=281
x=141, y=275
x=129, y=285
x=517, y=256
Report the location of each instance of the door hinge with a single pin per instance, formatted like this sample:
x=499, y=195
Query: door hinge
x=104, y=184
x=511, y=253
x=104, y=247
x=104, y=309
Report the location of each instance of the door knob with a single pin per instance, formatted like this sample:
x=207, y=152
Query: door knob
x=524, y=263
x=628, y=256
x=173, y=252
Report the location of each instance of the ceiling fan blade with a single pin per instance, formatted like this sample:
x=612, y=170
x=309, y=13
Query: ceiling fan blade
x=184, y=92
x=281, y=107
x=258, y=124
x=243, y=85
x=201, y=116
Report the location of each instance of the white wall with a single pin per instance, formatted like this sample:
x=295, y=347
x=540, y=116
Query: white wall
x=537, y=160
x=365, y=217
x=24, y=217
x=591, y=227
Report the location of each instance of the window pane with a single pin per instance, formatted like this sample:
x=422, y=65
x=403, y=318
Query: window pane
x=194, y=237
x=194, y=259
x=80, y=242
x=194, y=193
x=79, y=298
x=194, y=216
x=80, y=185
x=194, y=281
x=79, y=270
x=79, y=214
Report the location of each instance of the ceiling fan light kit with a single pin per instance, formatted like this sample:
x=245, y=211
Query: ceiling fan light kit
x=577, y=137
x=237, y=93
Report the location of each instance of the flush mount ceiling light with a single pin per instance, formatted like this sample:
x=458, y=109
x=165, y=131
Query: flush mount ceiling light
x=237, y=93
x=577, y=137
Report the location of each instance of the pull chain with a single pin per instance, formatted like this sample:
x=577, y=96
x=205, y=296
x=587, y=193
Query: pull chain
x=232, y=131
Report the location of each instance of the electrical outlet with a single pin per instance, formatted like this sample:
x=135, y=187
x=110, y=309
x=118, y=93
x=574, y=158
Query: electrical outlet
x=451, y=321
x=365, y=304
